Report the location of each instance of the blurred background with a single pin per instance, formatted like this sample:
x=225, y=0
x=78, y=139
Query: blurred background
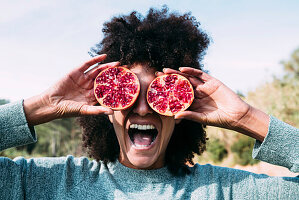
x=254, y=50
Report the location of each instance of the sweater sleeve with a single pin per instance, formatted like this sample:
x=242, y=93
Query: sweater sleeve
x=227, y=183
x=280, y=147
x=14, y=129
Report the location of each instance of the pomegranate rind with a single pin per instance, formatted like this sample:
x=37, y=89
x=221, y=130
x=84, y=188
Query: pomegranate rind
x=116, y=88
x=170, y=94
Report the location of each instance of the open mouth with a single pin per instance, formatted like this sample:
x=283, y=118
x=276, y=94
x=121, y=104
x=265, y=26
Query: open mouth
x=142, y=136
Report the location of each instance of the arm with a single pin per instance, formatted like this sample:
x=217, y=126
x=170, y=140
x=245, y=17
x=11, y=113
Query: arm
x=217, y=105
x=228, y=183
x=71, y=96
x=280, y=147
x=14, y=129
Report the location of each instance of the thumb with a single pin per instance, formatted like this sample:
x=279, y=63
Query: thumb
x=190, y=115
x=95, y=110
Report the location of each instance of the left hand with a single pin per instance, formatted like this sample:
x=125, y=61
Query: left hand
x=214, y=104
x=217, y=105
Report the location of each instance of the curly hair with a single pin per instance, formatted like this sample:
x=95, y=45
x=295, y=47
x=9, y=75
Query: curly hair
x=160, y=39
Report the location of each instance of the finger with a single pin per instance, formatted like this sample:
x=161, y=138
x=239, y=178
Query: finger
x=169, y=71
x=190, y=115
x=191, y=71
x=91, y=62
x=159, y=73
x=92, y=74
x=173, y=71
x=104, y=66
x=95, y=110
x=195, y=81
x=196, y=72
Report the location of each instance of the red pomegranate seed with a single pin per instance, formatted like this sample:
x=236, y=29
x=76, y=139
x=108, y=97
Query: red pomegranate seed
x=116, y=88
x=169, y=94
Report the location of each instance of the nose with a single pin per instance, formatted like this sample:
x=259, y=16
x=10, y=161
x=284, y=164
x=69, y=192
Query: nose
x=141, y=106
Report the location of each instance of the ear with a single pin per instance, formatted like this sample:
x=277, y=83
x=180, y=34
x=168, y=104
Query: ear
x=177, y=121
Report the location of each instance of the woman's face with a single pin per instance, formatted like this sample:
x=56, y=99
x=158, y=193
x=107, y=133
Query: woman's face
x=143, y=134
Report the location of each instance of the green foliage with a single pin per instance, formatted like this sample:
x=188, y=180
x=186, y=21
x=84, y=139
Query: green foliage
x=240, y=94
x=4, y=101
x=57, y=138
x=13, y=153
x=291, y=66
x=216, y=150
x=280, y=97
x=242, y=149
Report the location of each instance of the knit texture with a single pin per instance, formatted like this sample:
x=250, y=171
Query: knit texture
x=280, y=147
x=14, y=129
x=81, y=178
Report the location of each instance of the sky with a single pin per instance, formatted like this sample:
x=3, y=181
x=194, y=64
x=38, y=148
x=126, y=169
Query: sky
x=42, y=40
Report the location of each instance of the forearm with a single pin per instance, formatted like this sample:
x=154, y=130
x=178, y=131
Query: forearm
x=255, y=123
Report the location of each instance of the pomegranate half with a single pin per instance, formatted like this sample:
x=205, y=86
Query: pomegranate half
x=116, y=88
x=169, y=94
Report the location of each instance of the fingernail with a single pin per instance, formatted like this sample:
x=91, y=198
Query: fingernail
x=164, y=69
x=156, y=73
x=178, y=117
x=180, y=68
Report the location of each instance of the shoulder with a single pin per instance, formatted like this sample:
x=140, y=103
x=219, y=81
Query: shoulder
x=210, y=169
x=221, y=174
x=67, y=169
x=68, y=164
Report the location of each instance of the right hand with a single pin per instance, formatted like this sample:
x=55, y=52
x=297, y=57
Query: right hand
x=71, y=96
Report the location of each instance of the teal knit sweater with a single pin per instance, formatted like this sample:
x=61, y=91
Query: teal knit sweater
x=80, y=178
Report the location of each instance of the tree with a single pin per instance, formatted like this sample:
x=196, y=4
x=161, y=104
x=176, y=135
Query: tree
x=216, y=150
x=291, y=66
x=280, y=97
x=4, y=101
x=242, y=151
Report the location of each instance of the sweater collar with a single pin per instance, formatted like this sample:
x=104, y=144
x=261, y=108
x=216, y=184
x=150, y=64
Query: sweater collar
x=138, y=175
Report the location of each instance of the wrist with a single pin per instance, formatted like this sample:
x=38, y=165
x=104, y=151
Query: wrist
x=254, y=123
x=38, y=110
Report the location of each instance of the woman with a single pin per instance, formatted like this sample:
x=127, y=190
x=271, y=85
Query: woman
x=123, y=170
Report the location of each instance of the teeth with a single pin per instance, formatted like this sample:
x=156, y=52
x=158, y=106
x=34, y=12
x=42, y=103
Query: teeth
x=142, y=127
x=138, y=145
